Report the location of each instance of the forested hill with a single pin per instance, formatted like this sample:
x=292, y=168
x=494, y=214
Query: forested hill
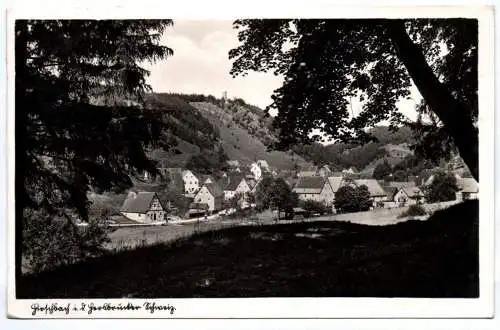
x=392, y=146
x=216, y=130
x=206, y=125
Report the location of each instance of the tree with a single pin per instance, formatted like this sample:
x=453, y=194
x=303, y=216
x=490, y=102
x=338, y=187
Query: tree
x=262, y=192
x=275, y=193
x=382, y=170
x=80, y=122
x=346, y=199
x=442, y=188
x=325, y=63
x=315, y=207
x=363, y=198
x=400, y=176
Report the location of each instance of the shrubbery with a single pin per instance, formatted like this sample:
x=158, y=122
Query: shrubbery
x=49, y=242
x=413, y=211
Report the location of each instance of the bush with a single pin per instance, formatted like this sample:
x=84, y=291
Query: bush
x=49, y=242
x=413, y=211
x=315, y=207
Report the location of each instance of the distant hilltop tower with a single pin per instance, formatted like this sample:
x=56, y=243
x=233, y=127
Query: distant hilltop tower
x=224, y=96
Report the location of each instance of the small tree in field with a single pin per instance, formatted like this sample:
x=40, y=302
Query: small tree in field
x=346, y=199
x=442, y=188
x=363, y=198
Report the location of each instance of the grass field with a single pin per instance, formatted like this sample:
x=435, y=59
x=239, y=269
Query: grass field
x=433, y=258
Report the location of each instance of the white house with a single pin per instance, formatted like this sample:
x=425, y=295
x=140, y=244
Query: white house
x=143, y=207
x=408, y=196
x=469, y=189
x=233, y=184
x=305, y=171
x=210, y=194
x=191, y=182
x=256, y=171
x=264, y=166
x=314, y=188
x=350, y=170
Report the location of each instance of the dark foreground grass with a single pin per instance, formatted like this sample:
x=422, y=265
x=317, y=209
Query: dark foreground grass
x=434, y=258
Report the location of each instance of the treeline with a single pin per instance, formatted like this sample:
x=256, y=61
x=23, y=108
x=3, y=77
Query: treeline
x=342, y=155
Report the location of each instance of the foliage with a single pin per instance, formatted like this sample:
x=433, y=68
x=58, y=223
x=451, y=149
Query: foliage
x=208, y=162
x=400, y=176
x=442, y=188
x=363, y=198
x=80, y=119
x=382, y=170
x=50, y=242
x=345, y=199
x=275, y=193
x=349, y=199
x=312, y=207
x=326, y=63
x=413, y=211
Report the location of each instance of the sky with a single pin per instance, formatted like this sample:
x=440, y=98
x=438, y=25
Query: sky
x=200, y=65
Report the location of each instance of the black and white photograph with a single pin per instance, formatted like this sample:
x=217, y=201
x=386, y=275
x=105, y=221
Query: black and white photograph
x=157, y=161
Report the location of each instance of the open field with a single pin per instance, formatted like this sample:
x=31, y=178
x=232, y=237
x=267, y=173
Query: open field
x=129, y=237
x=434, y=258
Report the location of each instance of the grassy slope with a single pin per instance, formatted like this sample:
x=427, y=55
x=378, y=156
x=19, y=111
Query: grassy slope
x=436, y=258
x=240, y=145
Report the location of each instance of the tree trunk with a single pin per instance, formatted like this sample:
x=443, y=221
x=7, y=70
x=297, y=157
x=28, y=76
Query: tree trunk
x=452, y=113
x=20, y=147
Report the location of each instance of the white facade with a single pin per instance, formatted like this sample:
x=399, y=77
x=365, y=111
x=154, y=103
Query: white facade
x=243, y=188
x=154, y=214
x=204, y=196
x=256, y=171
x=191, y=182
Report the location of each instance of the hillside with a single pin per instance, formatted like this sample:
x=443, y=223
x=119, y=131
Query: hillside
x=245, y=143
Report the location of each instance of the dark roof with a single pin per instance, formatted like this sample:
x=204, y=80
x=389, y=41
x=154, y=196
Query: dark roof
x=214, y=189
x=310, y=182
x=138, y=202
x=390, y=191
x=231, y=181
x=373, y=186
x=198, y=206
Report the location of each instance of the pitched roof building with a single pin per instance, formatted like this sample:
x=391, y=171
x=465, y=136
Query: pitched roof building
x=143, y=207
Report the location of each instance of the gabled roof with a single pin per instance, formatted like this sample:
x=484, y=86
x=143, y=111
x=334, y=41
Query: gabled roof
x=138, y=202
x=374, y=187
x=468, y=185
x=405, y=184
x=413, y=192
x=390, y=191
x=309, y=184
x=308, y=168
x=231, y=181
x=335, y=182
x=214, y=189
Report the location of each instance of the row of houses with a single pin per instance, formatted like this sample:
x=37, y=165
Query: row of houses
x=383, y=194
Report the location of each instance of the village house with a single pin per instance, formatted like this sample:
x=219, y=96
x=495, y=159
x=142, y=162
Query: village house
x=315, y=188
x=256, y=171
x=210, y=194
x=144, y=207
x=377, y=194
x=306, y=171
x=264, y=166
x=191, y=182
x=408, y=196
x=205, y=178
x=350, y=170
x=233, y=184
x=469, y=189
